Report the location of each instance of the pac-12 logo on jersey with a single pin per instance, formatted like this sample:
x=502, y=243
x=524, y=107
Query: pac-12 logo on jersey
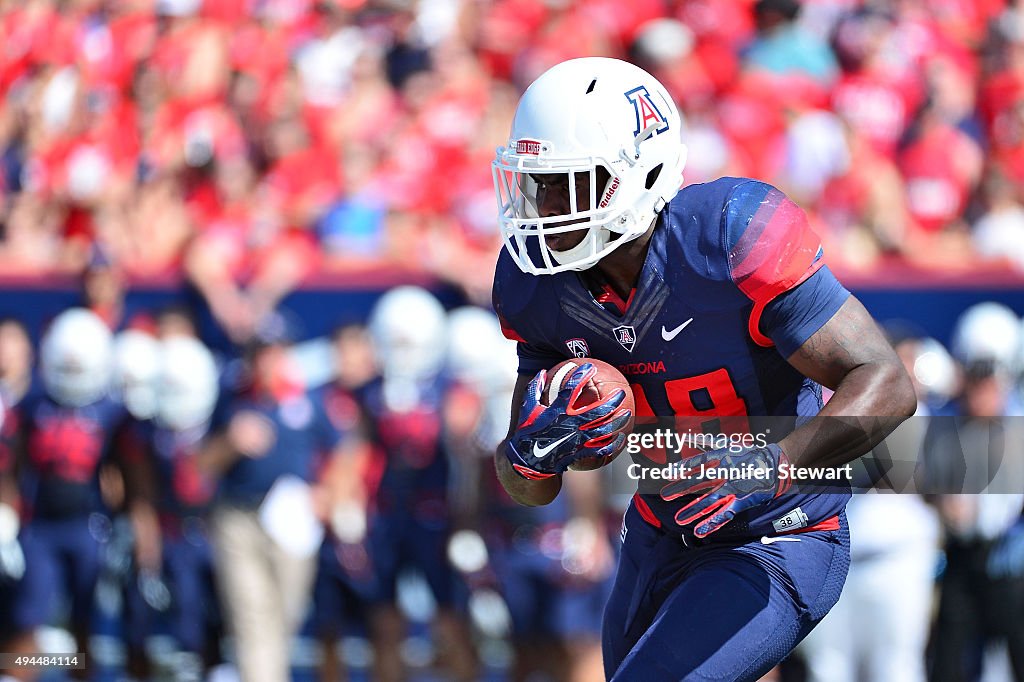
x=646, y=110
x=578, y=347
x=626, y=336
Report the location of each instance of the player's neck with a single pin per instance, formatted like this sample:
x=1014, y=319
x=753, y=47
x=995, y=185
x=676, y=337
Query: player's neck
x=621, y=268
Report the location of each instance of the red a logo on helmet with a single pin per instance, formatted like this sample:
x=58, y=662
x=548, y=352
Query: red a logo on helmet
x=646, y=110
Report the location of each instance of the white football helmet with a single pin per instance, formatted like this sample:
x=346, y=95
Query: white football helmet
x=577, y=116
x=987, y=332
x=136, y=365
x=478, y=354
x=408, y=329
x=187, y=387
x=76, y=358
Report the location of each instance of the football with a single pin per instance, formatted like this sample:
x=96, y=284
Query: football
x=607, y=380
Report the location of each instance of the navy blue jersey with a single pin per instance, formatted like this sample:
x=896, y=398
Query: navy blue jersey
x=405, y=426
x=302, y=433
x=63, y=449
x=733, y=283
x=184, y=490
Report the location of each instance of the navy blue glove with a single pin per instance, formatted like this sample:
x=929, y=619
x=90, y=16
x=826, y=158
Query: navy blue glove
x=708, y=503
x=549, y=439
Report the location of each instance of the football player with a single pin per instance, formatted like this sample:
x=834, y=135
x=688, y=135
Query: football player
x=715, y=301
x=65, y=437
x=177, y=550
x=976, y=452
x=409, y=520
x=344, y=580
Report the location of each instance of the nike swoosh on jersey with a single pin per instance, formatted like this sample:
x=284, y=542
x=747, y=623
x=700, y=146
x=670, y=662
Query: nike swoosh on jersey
x=669, y=335
x=541, y=452
x=766, y=540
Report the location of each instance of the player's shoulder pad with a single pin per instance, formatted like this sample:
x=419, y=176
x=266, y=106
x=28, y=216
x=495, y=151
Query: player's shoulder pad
x=768, y=242
x=695, y=219
x=515, y=297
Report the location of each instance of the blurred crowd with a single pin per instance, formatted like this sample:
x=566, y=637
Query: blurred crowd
x=183, y=515
x=248, y=143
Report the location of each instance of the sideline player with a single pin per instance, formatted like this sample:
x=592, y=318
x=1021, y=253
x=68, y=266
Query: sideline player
x=409, y=521
x=178, y=552
x=719, y=292
x=66, y=433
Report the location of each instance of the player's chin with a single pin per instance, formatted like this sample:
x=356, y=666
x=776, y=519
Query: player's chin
x=563, y=241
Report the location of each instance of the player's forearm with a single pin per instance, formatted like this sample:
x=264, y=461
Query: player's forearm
x=9, y=491
x=216, y=456
x=881, y=391
x=343, y=477
x=146, y=530
x=524, y=491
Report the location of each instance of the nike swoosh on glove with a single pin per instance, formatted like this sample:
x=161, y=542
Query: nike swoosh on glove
x=549, y=439
x=707, y=503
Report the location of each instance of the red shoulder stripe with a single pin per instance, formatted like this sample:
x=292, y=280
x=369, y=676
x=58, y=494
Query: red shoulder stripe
x=508, y=332
x=776, y=252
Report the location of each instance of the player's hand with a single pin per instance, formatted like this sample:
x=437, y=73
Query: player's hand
x=251, y=434
x=549, y=439
x=708, y=503
x=154, y=590
x=148, y=548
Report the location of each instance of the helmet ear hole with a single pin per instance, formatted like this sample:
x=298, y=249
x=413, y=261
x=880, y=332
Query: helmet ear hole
x=652, y=176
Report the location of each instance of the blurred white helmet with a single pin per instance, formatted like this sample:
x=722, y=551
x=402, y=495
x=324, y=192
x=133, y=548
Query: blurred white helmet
x=187, y=387
x=408, y=330
x=482, y=358
x=987, y=332
x=935, y=370
x=577, y=116
x=76, y=358
x=136, y=365
x=478, y=354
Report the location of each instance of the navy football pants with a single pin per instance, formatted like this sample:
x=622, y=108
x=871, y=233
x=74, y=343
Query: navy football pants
x=188, y=571
x=62, y=560
x=718, y=611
